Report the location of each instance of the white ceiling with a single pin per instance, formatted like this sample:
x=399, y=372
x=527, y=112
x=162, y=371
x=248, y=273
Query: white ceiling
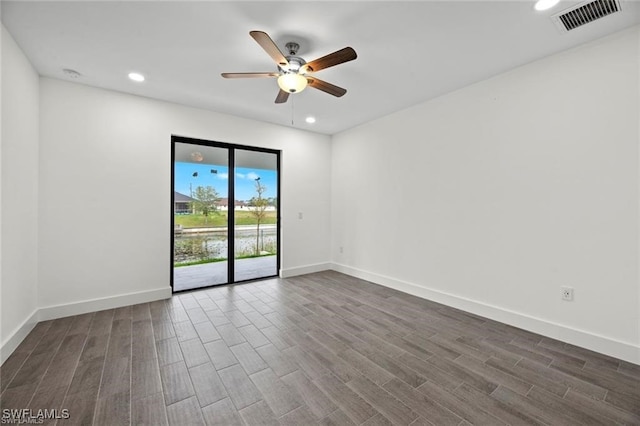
x=408, y=52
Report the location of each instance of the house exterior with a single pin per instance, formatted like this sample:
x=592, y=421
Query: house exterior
x=182, y=203
x=223, y=204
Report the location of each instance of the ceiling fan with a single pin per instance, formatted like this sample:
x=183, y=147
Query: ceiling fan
x=294, y=73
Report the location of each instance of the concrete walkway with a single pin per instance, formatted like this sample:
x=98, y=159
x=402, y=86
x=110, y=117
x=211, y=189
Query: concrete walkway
x=208, y=274
x=223, y=229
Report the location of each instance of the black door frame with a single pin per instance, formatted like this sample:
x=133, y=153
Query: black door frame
x=231, y=148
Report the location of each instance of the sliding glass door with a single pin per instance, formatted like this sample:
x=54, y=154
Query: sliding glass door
x=255, y=231
x=225, y=213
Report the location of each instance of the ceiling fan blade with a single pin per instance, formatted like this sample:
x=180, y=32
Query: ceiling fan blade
x=282, y=97
x=338, y=57
x=249, y=74
x=270, y=47
x=326, y=87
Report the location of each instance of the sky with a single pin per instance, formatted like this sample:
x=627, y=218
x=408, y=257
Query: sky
x=245, y=180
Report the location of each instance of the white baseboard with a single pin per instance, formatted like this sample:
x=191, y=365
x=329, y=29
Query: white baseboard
x=77, y=308
x=92, y=305
x=18, y=335
x=306, y=269
x=597, y=343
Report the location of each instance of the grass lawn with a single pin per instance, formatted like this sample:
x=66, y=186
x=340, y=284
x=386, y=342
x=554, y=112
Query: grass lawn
x=220, y=219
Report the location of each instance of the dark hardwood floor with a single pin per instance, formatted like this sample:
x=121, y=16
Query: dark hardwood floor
x=324, y=349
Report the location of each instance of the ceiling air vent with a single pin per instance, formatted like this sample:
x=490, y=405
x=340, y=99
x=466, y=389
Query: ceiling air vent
x=584, y=13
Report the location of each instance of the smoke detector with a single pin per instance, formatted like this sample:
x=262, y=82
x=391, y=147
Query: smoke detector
x=71, y=73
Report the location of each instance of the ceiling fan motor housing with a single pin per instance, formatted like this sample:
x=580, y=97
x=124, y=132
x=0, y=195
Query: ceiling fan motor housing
x=295, y=63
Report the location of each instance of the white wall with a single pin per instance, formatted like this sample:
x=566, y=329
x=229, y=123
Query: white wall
x=19, y=196
x=105, y=179
x=492, y=197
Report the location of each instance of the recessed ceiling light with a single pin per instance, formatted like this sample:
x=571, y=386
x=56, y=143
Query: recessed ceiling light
x=545, y=4
x=136, y=76
x=310, y=120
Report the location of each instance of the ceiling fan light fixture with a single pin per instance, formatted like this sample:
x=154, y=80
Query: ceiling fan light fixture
x=292, y=83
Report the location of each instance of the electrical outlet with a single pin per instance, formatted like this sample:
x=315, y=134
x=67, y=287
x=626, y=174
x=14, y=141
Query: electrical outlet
x=341, y=249
x=299, y=215
x=567, y=293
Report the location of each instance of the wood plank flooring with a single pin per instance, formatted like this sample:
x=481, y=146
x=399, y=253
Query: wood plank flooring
x=324, y=349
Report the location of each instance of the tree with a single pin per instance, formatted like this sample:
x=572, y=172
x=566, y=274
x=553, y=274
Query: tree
x=205, y=199
x=258, y=207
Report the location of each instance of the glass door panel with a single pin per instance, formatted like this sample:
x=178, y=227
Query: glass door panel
x=200, y=235
x=256, y=214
